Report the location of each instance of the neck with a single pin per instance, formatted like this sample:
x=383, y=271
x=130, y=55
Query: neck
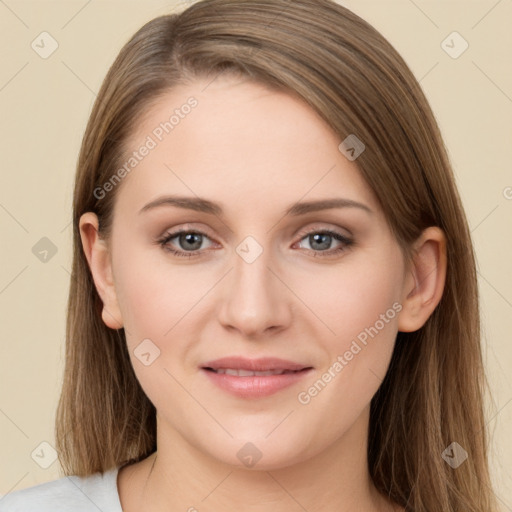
x=180, y=477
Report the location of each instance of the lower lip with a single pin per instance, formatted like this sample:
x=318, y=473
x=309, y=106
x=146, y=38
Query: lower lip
x=256, y=386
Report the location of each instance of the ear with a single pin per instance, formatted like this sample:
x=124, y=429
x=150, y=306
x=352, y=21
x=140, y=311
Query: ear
x=98, y=256
x=425, y=279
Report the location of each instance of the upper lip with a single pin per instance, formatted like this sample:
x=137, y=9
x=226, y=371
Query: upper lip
x=256, y=365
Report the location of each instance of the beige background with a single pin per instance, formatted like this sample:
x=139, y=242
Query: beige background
x=45, y=104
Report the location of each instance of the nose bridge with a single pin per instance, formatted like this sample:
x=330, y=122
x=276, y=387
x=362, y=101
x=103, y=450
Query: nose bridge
x=251, y=266
x=256, y=299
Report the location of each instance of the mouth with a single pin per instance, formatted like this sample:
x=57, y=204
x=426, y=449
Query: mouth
x=261, y=364
x=254, y=378
x=250, y=373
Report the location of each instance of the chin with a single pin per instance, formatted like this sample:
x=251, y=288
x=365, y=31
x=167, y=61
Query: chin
x=260, y=454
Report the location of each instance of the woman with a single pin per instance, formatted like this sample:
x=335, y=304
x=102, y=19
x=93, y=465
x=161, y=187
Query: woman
x=258, y=369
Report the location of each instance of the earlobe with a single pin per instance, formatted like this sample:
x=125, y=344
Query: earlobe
x=98, y=257
x=424, y=283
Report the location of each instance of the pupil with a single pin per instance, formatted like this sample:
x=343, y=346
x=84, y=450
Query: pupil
x=319, y=236
x=188, y=238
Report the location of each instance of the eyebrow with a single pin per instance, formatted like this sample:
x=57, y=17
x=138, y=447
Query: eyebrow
x=206, y=206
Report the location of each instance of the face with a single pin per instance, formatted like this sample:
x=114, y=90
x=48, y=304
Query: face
x=320, y=288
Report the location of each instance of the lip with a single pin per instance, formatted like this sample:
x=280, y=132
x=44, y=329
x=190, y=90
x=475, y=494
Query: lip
x=256, y=386
x=256, y=365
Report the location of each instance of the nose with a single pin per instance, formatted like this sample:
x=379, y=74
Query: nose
x=256, y=297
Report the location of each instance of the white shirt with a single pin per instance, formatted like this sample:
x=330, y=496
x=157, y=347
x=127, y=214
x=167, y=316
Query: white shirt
x=94, y=493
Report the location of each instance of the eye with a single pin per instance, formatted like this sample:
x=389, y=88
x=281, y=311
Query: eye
x=187, y=239
x=191, y=241
x=320, y=240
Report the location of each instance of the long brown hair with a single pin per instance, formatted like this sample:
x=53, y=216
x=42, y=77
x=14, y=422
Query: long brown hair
x=433, y=393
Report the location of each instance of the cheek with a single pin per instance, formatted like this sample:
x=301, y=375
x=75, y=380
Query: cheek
x=356, y=324
x=347, y=299
x=154, y=294
x=369, y=307
x=362, y=311
x=165, y=304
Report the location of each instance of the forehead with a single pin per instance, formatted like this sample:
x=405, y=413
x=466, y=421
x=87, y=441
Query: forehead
x=238, y=142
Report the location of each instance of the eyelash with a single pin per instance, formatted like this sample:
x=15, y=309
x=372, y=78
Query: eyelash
x=347, y=242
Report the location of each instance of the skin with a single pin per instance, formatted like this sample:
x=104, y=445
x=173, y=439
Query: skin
x=256, y=152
